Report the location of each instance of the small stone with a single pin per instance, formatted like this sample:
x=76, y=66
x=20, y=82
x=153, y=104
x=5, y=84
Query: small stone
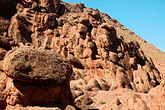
x=93, y=82
x=86, y=101
x=84, y=21
x=69, y=107
x=79, y=93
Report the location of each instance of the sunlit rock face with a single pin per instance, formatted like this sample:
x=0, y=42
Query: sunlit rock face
x=50, y=38
x=37, y=78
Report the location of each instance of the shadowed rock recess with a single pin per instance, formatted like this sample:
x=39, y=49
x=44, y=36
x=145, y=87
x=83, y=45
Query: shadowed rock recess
x=56, y=55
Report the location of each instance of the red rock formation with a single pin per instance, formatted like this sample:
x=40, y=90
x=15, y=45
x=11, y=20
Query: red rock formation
x=3, y=80
x=101, y=59
x=37, y=78
x=122, y=99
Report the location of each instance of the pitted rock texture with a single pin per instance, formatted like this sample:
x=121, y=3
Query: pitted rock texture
x=90, y=43
x=38, y=66
x=23, y=94
x=3, y=80
x=95, y=45
x=36, y=78
x=89, y=39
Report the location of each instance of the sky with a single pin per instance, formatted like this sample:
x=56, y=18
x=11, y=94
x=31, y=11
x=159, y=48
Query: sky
x=145, y=17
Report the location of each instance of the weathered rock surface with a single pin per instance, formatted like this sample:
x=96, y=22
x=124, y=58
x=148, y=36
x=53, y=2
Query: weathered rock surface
x=3, y=80
x=4, y=24
x=124, y=99
x=32, y=94
x=155, y=99
x=95, y=46
x=37, y=78
x=37, y=66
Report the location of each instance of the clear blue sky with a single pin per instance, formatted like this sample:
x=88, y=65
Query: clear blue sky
x=145, y=17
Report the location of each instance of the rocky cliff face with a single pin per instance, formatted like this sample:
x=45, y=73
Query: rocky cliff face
x=87, y=39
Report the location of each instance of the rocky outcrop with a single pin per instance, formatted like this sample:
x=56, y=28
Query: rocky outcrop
x=6, y=13
x=4, y=24
x=3, y=80
x=90, y=43
x=41, y=30
x=123, y=99
x=37, y=78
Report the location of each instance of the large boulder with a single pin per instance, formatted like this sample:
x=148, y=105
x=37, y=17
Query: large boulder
x=37, y=78
x=38, y=66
